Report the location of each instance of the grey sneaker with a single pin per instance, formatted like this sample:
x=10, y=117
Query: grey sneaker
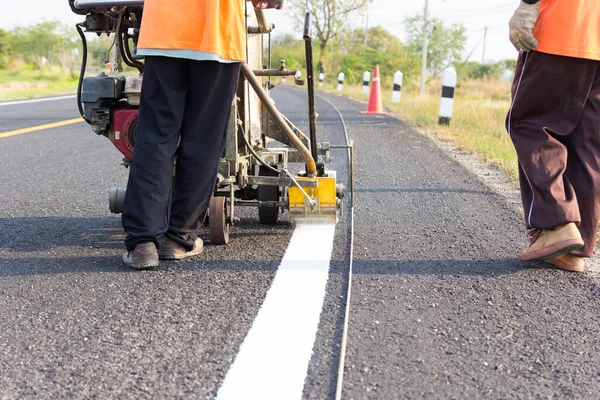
x=143, y=256
x=171, y=250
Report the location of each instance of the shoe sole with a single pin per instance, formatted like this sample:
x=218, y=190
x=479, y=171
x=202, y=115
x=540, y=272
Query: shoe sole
x=566, y=267
x=178, y=257
x=552, y=251
x=146, y=265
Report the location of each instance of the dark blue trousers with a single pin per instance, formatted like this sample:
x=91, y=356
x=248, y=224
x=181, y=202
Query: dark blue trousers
x=184, y=110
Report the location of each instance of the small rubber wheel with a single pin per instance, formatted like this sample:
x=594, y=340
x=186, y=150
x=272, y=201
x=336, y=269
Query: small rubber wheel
x=218, y=224
x=268, y=215
x=116, y=199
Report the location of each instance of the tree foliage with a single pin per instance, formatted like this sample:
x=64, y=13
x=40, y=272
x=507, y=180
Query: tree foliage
x=445, y=46
x=382, y=48
x=4, y=48
x=329, y=18
x=476, y=70
x=44, y=43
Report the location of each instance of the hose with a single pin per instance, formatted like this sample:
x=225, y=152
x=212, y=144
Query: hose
x=126, y=52
x=82, y=72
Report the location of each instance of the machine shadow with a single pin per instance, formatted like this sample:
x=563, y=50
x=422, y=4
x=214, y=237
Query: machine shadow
x=35, y=266
x=64, y=245
x=34, y=234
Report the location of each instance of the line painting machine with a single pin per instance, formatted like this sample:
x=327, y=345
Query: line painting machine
x=252, y=171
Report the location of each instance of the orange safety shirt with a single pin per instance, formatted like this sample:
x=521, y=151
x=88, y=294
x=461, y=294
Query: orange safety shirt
x=207, y=26
x=569, y=28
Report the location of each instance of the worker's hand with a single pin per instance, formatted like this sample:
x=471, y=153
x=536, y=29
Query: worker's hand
x=521, y=25
x=278, y=4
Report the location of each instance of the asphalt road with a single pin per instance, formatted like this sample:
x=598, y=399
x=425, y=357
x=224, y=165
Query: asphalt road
x=440, y=306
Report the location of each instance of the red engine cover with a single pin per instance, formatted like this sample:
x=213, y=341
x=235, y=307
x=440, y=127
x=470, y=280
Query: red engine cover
x=123, y=131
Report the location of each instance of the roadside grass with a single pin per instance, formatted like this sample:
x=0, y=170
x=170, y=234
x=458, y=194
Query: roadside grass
x=477, y=124
x=26, y=83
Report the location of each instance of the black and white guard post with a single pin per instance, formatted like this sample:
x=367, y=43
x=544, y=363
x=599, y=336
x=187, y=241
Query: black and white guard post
x=447, y=101
x=321, y=79
x=366, y=80
x=396, y=93
x=340, y=85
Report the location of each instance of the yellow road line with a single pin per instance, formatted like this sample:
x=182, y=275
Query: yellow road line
x=41, y=127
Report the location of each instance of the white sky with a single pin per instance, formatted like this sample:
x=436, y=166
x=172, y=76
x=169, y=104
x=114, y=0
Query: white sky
x=389, y=14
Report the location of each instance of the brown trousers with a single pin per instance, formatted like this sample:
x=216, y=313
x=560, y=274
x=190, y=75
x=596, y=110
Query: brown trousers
x=554, y=123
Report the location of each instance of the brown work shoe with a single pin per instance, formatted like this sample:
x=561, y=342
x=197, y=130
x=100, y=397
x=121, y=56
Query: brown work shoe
x=568, y=262
x=171, y=250
x=144, y=255
x=551, y=243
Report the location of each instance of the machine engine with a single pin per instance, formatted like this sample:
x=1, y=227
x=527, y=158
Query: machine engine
x=110, y=104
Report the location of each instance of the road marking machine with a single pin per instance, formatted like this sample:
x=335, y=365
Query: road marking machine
x=260, y=144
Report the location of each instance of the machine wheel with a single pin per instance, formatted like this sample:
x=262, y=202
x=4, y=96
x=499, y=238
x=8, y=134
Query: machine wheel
x=218, y=224
x=116, y=198
x=268, y=215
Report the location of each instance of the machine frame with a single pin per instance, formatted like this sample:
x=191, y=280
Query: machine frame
x=260, y=144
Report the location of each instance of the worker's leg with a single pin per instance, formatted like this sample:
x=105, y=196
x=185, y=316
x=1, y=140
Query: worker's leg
x=549, y=94
x=145, y=210
x=583, y=168
x=212, y=87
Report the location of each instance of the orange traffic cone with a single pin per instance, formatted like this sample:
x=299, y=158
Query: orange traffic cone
x=375, y=105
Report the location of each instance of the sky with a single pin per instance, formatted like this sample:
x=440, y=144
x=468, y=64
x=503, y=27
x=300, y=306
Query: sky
x=389, y=14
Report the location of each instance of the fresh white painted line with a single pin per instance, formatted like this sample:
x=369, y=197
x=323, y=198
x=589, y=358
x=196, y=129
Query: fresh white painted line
x=273, y=360
x=12, y=103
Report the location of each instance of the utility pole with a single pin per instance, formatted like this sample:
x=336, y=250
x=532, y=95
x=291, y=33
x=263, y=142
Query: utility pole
x=484, y=40
x=425, y=42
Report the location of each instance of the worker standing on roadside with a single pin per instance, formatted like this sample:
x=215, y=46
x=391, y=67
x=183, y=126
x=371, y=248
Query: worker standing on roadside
x=193, y=50
x=554, y=123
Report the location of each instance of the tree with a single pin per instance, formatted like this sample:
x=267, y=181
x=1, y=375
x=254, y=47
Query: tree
x=445, y=44
x=329, y=18
x=42, y=43
x=476, y=70
x=4, y=48
x=291, y=50
x=382, y=48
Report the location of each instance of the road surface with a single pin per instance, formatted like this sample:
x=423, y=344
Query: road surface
x=440, y=307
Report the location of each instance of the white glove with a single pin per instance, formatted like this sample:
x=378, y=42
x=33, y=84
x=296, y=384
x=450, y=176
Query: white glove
x=521, y=24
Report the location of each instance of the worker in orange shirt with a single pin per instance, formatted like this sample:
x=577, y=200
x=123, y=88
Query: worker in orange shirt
x=193, y=51
x=554, y=123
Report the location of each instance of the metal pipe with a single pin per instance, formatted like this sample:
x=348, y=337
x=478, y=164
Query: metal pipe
x=311, y=167
x=262, y=21
x=275, y=72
